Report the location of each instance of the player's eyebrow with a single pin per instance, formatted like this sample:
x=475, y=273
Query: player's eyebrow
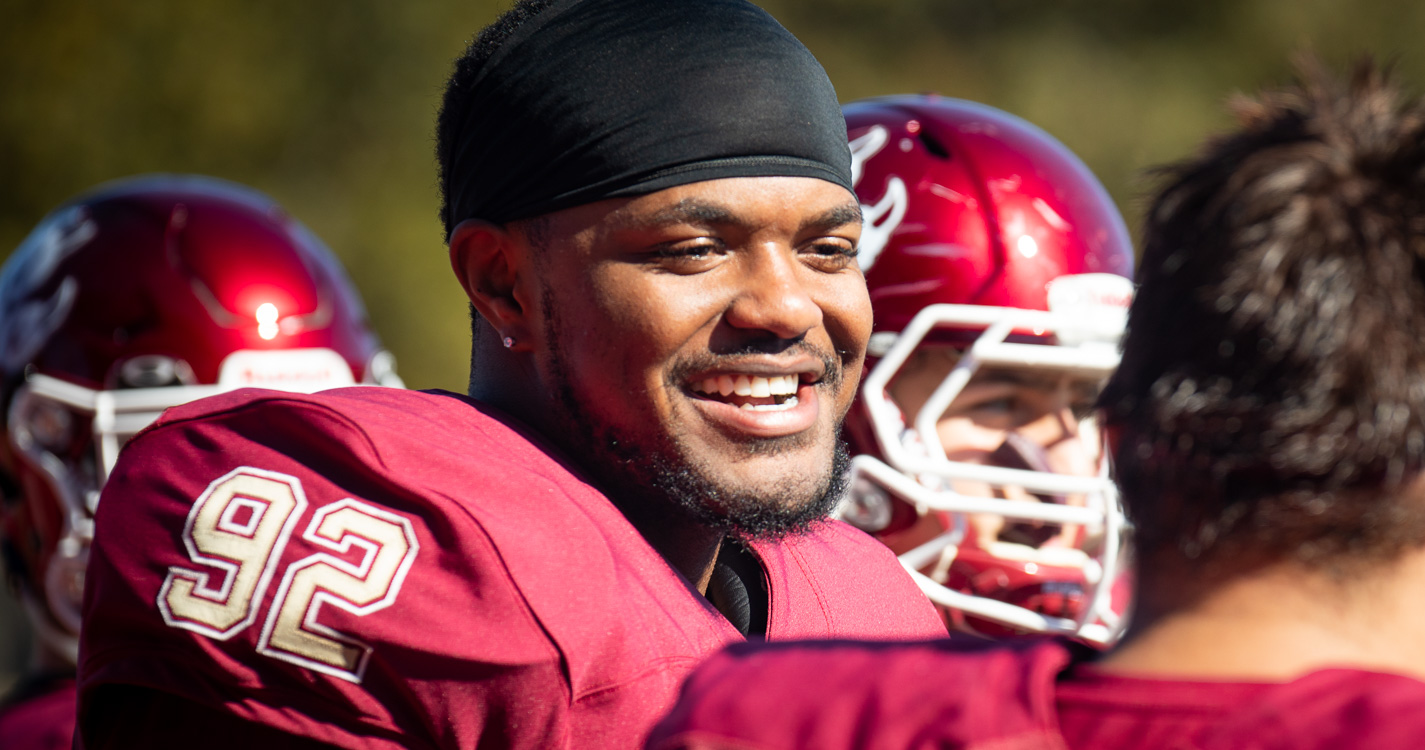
x=846, y=213
x=1037, y=381
x=687, y=211
x=996, y=376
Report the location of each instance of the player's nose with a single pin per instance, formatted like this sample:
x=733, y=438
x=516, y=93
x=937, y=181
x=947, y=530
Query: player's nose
x=1055, y=428
x=772, y=295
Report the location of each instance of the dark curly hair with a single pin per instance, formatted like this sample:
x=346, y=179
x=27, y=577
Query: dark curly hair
x=1271, y=400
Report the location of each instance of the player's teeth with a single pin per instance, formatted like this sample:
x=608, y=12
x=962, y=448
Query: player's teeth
x=755, y=386
x=785, y=405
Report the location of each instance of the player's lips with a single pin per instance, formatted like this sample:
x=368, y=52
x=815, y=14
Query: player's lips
x=761, y=401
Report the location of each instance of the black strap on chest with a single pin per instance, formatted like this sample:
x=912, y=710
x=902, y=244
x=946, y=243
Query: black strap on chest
x=738, y=588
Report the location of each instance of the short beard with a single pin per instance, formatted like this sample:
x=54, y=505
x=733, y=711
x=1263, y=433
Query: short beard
x=657, y=487
x=656, y=484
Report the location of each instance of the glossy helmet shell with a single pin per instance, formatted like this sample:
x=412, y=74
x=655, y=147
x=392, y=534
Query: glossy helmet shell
x=994, y=208
x=148, y=287
x=967, y=205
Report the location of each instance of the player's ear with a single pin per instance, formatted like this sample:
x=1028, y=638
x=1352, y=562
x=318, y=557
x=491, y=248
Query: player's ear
x=488, y=260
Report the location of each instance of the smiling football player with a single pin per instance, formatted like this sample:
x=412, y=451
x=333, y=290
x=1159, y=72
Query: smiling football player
x=650, y=208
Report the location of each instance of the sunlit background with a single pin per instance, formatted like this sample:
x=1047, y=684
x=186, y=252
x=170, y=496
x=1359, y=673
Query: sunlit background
x=328, y=106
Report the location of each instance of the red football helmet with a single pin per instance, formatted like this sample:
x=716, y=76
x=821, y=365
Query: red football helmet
x=144, y=294
x=986, y=240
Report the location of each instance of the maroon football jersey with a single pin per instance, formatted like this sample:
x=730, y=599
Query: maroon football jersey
x=42, y=718
x=380, y=568
x=1019, y=696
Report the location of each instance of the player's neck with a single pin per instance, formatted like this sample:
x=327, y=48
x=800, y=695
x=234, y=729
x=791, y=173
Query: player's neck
x=509, y=382
x=1284, y=620
x=691, y=549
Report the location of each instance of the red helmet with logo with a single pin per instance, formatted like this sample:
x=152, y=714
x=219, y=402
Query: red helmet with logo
x=144, y=294
x=985, y=236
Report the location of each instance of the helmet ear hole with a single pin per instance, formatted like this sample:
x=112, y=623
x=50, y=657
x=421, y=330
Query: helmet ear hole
x=867, y=507
x=48, y=423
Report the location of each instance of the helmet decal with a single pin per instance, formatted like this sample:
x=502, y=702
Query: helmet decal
x=864, y=148
x=881, y=219
x=26, y=322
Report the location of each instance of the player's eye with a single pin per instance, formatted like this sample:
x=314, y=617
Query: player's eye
x=686, y=251
x=687, y=257
x=830, y=253
x=1006, y=405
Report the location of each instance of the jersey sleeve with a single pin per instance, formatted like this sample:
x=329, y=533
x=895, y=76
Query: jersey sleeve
x=259, y=560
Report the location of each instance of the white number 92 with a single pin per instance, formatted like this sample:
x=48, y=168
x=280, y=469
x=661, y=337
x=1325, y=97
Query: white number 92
x=238, y=529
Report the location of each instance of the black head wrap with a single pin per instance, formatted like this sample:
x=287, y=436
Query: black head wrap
x=598, y=99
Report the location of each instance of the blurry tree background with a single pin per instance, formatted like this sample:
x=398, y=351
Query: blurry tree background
x=328, y=105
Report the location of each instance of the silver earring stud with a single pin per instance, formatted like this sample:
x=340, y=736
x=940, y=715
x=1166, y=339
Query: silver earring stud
x=509, y=341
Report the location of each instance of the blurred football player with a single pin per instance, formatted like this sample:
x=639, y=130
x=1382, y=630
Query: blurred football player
x=650, y=207
x=1268, y=428
x=998, y=269
x=143, y=294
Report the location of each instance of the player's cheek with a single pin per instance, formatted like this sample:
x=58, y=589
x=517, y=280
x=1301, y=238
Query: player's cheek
x=966, y=439
x=846, y=316
x=846, y=310
x=1072, y=456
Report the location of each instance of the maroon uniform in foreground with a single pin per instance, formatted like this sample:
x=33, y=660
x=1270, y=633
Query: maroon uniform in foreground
x=1025, y=697
x=39, y=717
x=381, y=568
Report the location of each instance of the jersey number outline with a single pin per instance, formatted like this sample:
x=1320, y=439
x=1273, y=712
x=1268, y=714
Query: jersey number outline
x=240, y=526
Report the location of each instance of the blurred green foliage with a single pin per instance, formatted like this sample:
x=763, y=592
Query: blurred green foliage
x=328, y=105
